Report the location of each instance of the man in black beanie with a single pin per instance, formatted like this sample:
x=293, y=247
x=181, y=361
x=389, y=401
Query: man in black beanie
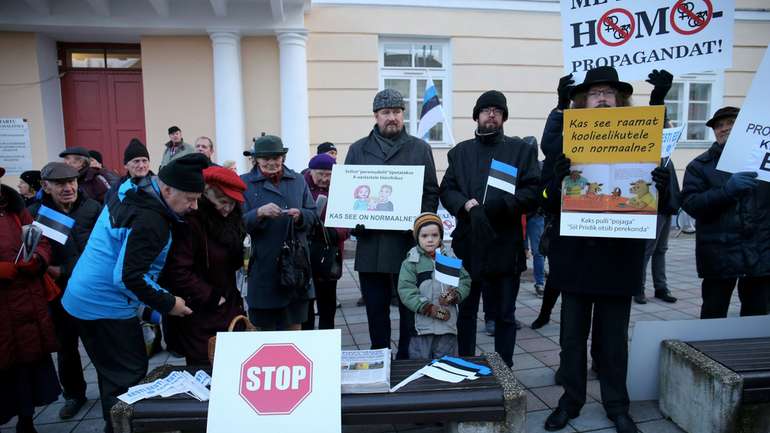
x=175, y=147
x=489, y=237
x=131, y=239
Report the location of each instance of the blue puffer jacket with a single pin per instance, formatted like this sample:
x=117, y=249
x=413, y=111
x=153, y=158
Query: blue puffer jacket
x=119, y=268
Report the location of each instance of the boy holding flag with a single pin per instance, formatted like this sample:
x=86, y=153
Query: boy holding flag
x=431, y=284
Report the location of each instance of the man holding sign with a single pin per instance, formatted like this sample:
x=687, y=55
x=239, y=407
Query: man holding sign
x=595, y=273
x=490, y=183
x=733, y=214
x=379, y=252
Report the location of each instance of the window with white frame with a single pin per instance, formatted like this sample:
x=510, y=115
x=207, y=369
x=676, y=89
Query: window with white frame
x=691, y=101
x=406, y=65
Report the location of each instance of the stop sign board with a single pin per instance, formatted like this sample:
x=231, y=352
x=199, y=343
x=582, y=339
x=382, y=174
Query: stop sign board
x=276, y=379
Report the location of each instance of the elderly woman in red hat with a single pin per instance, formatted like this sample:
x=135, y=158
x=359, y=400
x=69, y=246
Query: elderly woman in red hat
x=206, y=253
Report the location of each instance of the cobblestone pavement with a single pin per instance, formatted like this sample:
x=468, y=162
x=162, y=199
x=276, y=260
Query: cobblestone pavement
x=535, y=360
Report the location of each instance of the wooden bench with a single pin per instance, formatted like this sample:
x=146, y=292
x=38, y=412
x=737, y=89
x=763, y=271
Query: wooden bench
x=717, y=386
x=493, y=404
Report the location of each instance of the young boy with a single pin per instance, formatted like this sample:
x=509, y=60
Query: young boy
x=434, y=303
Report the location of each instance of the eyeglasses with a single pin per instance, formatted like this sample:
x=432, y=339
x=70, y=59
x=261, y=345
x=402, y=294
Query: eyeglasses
x=607, y=92
x=492, y=110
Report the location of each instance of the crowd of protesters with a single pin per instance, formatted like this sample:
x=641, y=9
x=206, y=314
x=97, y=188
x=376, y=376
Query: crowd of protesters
x=176, y=243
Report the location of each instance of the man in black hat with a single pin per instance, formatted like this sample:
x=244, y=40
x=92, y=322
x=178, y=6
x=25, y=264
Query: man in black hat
x=175, y=147
x=328, y=148
x=596, y=276
x=379, y=253
x=489, y=237
x=29, y=185
x=733, y=214
x=136, y=160
x=60, y=186
x=93, y=182
x=117, y=274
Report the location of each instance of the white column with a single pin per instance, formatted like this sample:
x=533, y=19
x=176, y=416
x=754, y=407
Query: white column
x=295, y=129
x=228, y=99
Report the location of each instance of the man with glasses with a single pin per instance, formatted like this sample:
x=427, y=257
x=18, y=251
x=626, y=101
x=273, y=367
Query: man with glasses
x=379, y=253
x=489, y=236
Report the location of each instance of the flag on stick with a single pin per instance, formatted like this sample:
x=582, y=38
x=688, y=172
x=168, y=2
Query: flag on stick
x=55, y=225
x=432, y=112
x=502, y=176
x=448, y=269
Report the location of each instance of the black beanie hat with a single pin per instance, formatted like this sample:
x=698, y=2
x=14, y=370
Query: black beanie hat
x=95, y=154
x=32, y=178
x=491, y=98
x=185, y=173
x=135, y=149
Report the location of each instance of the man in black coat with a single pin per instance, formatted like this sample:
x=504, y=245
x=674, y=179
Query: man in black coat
x=595, y=275
x=732, y=241
x=60, y=194
x=489, y=237
x=379, y=253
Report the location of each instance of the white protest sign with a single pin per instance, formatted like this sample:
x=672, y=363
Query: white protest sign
x=448, y=221
x=276, y=382
x=381, y=197
x=636, y=37
x=748, y=147
x=15, y=150
x=671, y=137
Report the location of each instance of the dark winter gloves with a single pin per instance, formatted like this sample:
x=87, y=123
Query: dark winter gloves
x=740, y=183
x=7, y=271
x=435, y=312
x=450, y=297
x=565, y=87
x=661, y=80
x=358, y=230
x=561, y=167
x=661, y=177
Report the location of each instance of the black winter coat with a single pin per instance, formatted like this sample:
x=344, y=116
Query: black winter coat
x=585, y=265
x=466, y=178
x=733, y=232
x=383, y=250
x=85, y=211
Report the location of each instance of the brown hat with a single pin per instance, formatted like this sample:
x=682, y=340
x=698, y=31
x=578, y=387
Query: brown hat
x=424, y=219
x=721, y=114
x=58, y=171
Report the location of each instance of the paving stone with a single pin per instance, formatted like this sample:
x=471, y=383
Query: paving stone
x=536, y=422
x=534, y=403
x=592, y=417
x=550, y=395
x=525, y=361
x=642, y=411
x=548, y=357
x=537, y=344
x=535, y=377
x=660, y=426
x=90, y=426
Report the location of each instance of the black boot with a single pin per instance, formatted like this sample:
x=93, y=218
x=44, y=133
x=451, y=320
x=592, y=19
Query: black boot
x=665, y=296
x=25, y=425
x=558, y=419
x=540, y=322
x=624, y=423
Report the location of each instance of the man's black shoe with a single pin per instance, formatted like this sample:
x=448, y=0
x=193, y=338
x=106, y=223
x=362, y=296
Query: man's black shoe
x=558, y=419
x=540, y=322
x=640, y=299
x=624, y=423
x=665, y=296
x=71, y=407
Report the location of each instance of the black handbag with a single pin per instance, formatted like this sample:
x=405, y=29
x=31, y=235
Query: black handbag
x=325, y=257
x=294, y=265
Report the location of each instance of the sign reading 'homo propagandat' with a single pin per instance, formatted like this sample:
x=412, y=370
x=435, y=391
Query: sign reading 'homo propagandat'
x=636, y=36
x=609, y=191
x=382, y=197
x=748, y=147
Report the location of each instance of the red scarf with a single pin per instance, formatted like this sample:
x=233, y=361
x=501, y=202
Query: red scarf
x=431, y=254
x=274, y=178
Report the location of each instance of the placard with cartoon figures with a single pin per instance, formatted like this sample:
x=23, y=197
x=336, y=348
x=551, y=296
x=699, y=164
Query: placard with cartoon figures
x=382, y=197
x=609, y=191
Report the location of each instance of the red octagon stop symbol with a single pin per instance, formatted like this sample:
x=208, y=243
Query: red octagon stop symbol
x=276, y=379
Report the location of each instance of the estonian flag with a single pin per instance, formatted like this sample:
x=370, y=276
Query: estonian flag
x=55, y=225
x=432, y=113
x=448, y=270
x=502, y=176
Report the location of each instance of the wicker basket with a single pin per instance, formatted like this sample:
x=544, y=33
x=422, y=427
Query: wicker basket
x=247, y=326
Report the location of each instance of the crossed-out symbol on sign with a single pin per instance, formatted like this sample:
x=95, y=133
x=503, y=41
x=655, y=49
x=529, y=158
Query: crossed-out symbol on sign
x=616, y=27
x=687, y=20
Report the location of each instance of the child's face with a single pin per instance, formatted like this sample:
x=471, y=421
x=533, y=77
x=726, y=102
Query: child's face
x=385, y=193
x=429, y=238
x=363, y=193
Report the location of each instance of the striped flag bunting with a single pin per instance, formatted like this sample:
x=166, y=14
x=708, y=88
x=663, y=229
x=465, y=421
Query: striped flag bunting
x=55, y=225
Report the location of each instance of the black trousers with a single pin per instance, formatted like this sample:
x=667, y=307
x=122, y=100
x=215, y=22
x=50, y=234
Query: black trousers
x=611, y=332
x=116, y=348
x=326, y=300
x=69, y=366
x=378, y=289
x=501, y=295
x=550, y=296
x=752, y=291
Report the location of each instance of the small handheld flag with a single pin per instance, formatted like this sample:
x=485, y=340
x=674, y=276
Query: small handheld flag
x=55, y=225
x=448, y=270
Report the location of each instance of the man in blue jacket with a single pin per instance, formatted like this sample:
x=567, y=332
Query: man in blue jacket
x=118, y=271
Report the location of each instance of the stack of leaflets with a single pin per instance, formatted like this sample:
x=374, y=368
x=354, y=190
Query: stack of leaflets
x=447, y=369
x=365, y=371
x=175, y=383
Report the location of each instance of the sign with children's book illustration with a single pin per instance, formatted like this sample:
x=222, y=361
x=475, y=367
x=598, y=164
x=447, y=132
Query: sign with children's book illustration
x=748, y=147
x=609, y=191
x=381, y=197
x=635, y=37
x=276, y=381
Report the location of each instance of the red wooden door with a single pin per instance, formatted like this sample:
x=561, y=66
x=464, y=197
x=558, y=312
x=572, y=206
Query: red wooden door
x=103, y=110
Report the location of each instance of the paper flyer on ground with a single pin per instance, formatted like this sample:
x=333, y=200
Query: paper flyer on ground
x=381, y=197
x=609, y=191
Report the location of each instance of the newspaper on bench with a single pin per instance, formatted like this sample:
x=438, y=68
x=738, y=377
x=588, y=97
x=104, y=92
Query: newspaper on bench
x=365, y=371
x=175, y=383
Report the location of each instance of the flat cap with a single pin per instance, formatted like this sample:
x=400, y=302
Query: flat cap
x=388, y=98
x=58, y=171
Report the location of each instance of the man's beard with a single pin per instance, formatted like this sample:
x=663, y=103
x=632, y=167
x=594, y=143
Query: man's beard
x=390, y=131
x=488, y=128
